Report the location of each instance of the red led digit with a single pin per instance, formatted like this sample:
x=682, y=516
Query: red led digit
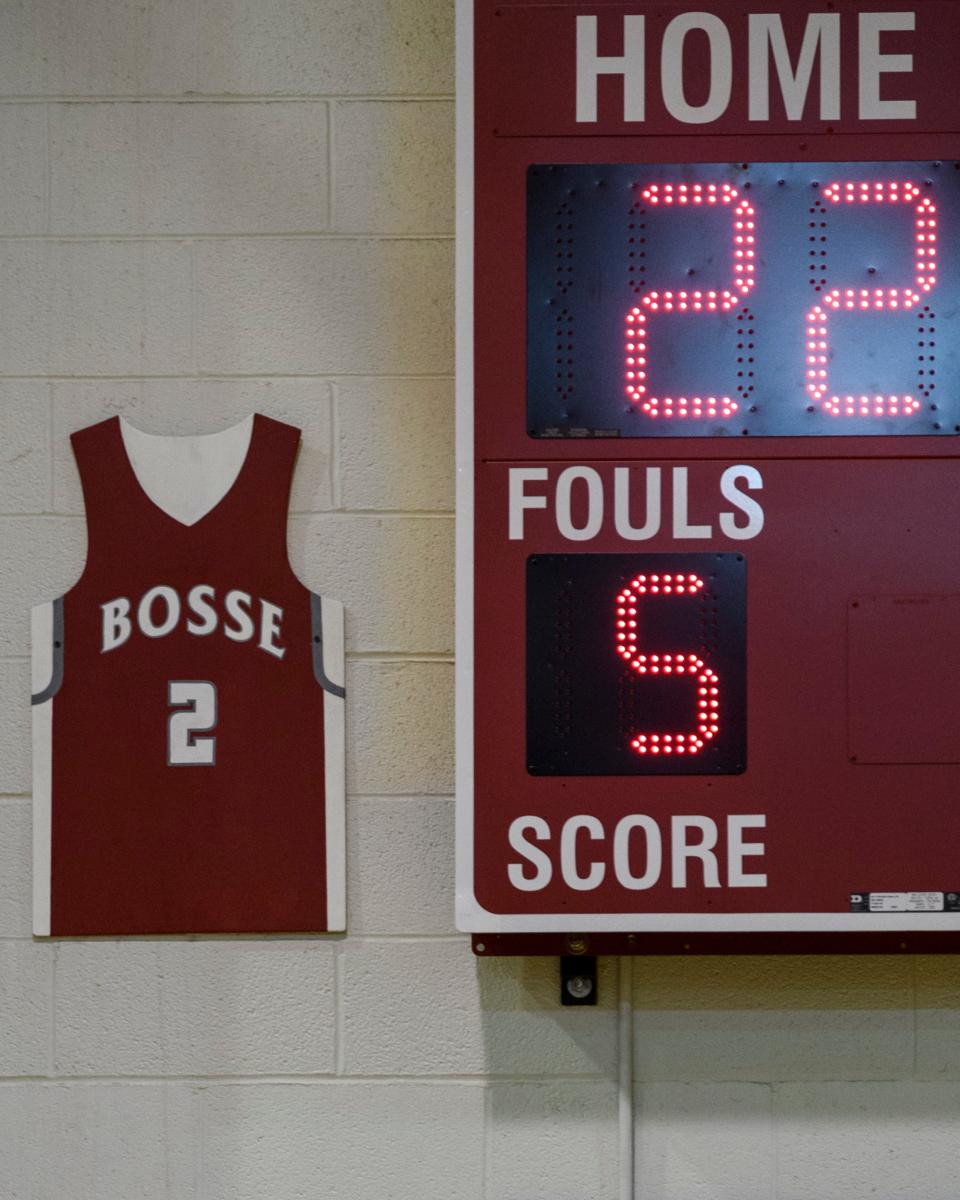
x=637, y=339
x=691, y=665
x=871, y=299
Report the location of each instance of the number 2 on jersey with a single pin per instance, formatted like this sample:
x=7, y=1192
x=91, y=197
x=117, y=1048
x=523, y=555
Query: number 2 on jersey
x=196, y=702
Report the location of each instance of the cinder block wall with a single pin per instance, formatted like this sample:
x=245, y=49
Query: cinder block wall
x=211, y=206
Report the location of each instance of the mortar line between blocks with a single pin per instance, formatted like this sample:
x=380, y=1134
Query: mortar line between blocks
x=915, y=1014
x=233, y=98
x=194, y=304
x=595, y=1079
x=47, y=170
x=196, y=45
x=216, y=377
x=199, y=1152
x=249, y=235
x=485, y=1147
x=336, y=483
x=427, y=513
x=52, y=1062
x=305, y=1080
x=331, y=166
x=223, y=376
x=338, y=1046
x=51, y=439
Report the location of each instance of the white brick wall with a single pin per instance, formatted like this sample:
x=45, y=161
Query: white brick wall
x=211, y=206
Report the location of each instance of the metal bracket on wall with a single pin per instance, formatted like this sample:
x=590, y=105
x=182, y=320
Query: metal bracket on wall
x=578, y=979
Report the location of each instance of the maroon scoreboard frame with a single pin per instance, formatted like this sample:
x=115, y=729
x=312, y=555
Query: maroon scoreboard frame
x=786, y=551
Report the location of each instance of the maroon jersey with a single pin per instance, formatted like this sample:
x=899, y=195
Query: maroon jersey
x=188, y=700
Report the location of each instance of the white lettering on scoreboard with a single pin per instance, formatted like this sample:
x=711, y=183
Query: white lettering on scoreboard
x=585, y=488
x=689, y=840
x=766, y=46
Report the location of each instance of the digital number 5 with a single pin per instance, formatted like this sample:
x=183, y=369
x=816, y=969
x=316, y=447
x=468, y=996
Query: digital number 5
x=692, y=665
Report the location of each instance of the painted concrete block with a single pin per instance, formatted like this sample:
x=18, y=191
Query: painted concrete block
x=15, y=855
x=98, y=48
x=188, y=168
x=24, y=446
x=363, y=1140
x=396, y=443
x=399, y=727
x=306, y=306
x=551, y=1141
x=394, y=167
x=897, y=1140
x=760, y=1018
x=99, y=1141
x=340, y=47
x=25, y=998
x=429, y=1008
x=394, y=574
x=710, y=1141
x=400, y=865
x=96, y=307
x=195, y=1008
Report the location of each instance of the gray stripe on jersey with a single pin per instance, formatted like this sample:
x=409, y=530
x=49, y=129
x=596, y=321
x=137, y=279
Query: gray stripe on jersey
x=56, y=678
x=316, y=617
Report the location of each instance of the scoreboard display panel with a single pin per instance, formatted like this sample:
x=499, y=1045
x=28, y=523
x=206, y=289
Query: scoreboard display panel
x=708, y=569
x=625, y=657
x=717, y=299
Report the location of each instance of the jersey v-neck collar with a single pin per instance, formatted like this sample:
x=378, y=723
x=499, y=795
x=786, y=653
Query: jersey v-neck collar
x=184, y=491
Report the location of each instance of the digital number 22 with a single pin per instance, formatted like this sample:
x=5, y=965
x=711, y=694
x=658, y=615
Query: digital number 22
x=745, y=262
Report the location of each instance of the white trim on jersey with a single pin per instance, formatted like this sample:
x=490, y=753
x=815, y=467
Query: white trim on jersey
x=334, y=728
x=42, y=675
x=187, y=477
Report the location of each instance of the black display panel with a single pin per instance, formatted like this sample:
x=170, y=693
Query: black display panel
x=636, y=664
x=713, y=299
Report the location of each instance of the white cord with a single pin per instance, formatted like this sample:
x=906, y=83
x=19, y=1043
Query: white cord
x=625, y=1082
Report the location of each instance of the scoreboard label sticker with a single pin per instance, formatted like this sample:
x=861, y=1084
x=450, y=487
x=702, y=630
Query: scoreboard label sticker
x=708, y=405
x=904, y=902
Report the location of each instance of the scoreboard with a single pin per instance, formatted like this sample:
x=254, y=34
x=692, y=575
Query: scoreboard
x=708, y=557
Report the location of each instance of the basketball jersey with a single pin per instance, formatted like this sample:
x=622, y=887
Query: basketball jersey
x=188, y=701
